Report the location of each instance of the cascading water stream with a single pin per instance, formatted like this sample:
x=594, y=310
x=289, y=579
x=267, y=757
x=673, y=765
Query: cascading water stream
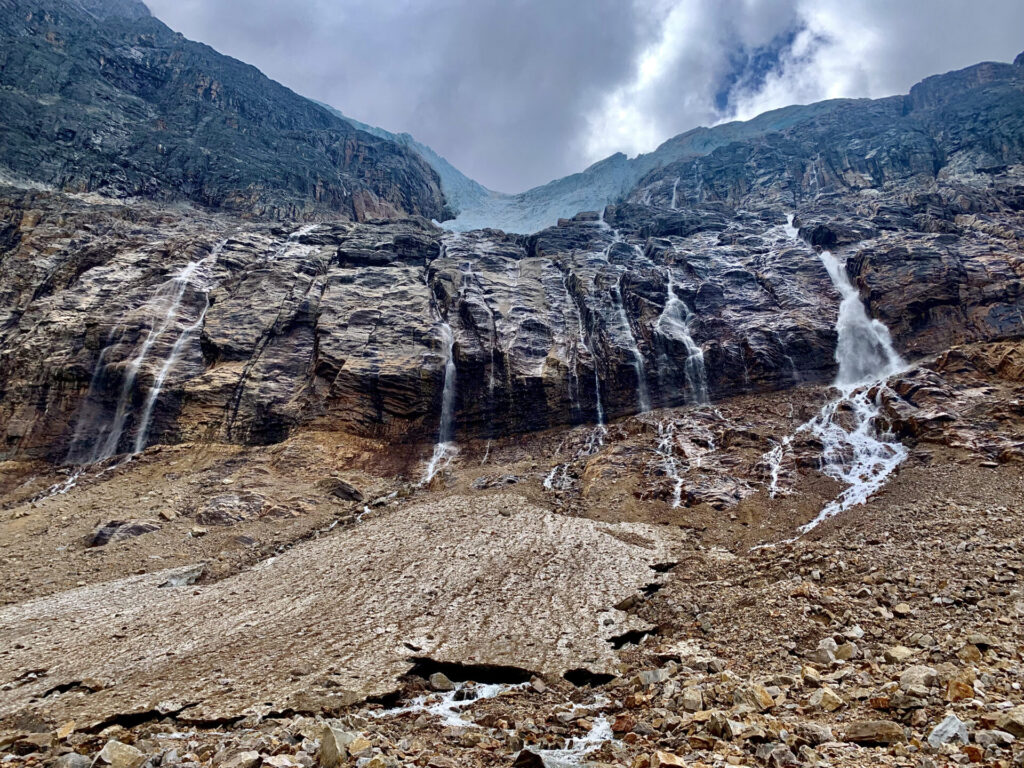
x=167, y=305
x=642, y=394
x=674, y=323
x=558, y=478
x=854, y=452
x=444, y=449
x=154, y=393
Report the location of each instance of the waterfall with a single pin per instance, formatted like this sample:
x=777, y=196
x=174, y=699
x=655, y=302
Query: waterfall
x=154, y=393
x=669, y=462
x=167, y=311
x=558, y=478
x=675, y=191
x=864, y=351
x=854, y=452
x=584, y=342
x=642, y=395
x=444, y=449
x=674, y=323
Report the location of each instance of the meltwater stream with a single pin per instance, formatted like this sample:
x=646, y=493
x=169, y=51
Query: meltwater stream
x=854, y=451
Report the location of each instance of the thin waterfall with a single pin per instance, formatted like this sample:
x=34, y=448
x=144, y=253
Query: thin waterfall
x=444, y=449
x=674, y=323
x=167, y=310
x=642, y=394
x=558, y=478
x=675, y=192
x=669, y=462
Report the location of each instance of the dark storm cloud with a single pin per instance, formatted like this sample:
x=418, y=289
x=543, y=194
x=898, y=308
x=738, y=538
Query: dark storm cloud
x=519, y=92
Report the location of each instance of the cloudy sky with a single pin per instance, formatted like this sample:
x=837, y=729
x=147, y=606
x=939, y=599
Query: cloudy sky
x=518, y=92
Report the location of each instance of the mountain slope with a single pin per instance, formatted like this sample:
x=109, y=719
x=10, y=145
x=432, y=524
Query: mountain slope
x=460, y=191
x=102, y=97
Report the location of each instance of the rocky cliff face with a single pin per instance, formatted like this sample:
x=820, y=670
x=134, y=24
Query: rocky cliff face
x=102, y=97
x=126, y=325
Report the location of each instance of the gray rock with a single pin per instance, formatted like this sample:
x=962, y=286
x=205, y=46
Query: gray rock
x=440, y=682
x=994, y=738
x=950, y=729
x=72, y=760
x=334, y=745
x=918, y=677
x=119, y=530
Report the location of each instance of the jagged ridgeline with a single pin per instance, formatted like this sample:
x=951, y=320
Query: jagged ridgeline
x=305, y=284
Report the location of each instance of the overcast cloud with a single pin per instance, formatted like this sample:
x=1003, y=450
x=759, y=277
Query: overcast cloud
x=518, y=92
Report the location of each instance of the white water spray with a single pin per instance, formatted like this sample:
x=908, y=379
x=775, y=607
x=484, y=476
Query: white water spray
x=444, y=449
x=171, y=360
x=854, y=451
x=447, y=706
x=576, y=749
x=669, y=462
x=674, y=323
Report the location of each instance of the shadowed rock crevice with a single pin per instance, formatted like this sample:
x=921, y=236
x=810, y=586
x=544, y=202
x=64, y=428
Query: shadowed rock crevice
x=457, y=672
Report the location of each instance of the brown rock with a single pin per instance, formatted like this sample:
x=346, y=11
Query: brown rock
x=875, y=732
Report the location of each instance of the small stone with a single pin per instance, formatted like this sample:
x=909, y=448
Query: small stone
x=950, y=729
x=974, y=753
x=782, y=757
x=665, y=758
x=439, y=682
x=846, y=651
x=1013, y=722
x=282, y=761
x=875, y=732
x=813, y=733
x=918, y=677
x=528, y=759
x=360, y=747
x=72, y=760
x=825, y=652
x=826, y=699
x=994, y=738
x=692, y=699
x=333, y=745
x=810, y=677
x=652, y=676
x=959, y=690
x=753, y=698
x=901, y=609
x=898, y=654
x=65, y=730
x=119, y=755
x=624, y=723
x=247, y=759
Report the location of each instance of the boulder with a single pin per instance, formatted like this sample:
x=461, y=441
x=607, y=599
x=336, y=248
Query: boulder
x=334, y=744
x=119, y=530
x=875, y=732
x=118, y=755
x=952, y=728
